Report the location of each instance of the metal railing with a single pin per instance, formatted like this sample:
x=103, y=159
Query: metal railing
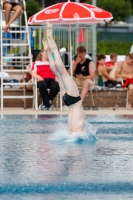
x=11, y=44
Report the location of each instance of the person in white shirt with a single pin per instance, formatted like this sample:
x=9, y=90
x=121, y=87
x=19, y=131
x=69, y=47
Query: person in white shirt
x=8, y=6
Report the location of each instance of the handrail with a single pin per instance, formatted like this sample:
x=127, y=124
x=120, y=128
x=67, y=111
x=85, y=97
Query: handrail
x=22, y=45
x=24, y=4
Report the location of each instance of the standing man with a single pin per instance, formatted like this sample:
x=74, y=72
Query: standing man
x=125, y=71
x=8, y=6
x=84, y=71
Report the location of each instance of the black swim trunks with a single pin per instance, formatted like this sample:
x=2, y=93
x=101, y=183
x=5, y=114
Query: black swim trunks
x=69, y=100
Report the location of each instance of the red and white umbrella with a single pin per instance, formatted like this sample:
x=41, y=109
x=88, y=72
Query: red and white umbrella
x=70, y=13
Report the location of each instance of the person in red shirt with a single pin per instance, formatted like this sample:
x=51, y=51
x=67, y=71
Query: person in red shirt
x=45, y=80
x=112, y=62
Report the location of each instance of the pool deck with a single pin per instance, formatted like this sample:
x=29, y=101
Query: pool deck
x=31, y=111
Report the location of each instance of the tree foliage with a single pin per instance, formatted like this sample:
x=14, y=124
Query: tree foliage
x=120, y=9
x=121, y=48
x=32, y=7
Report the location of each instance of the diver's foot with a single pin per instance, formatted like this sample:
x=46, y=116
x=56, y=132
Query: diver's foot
x=6, y=29
x=129, y=107
x=52, y=43
x=45, y=44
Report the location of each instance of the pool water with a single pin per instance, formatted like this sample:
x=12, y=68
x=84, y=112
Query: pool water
x=39, y=160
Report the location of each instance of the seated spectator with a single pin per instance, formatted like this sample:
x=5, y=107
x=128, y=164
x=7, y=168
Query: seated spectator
x=102, y=71
x=45, y=80
x=8, y=6
x=84, y=71
x=112, y=62
x=125, y=71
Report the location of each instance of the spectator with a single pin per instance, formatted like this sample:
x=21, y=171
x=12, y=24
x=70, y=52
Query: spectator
x=102, y=71
x=112, y=62
x=125, y=71
x=84, y=71
x=45, y=80
x=8, y=6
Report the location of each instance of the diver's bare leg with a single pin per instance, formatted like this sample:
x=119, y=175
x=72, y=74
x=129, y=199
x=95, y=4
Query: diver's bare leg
x=69, y=83
x=57, y=74
x=52, y=65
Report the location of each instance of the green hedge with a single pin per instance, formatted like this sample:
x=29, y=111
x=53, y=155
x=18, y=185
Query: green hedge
x=121, y=48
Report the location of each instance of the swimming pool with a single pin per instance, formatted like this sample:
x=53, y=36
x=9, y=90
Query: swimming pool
x=37, y=163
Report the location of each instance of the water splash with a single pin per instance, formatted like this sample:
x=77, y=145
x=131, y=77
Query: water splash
x=61, y=134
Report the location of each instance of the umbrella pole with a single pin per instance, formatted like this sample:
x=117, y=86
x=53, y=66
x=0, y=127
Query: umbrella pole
x=70, y=50
x=94, y=40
